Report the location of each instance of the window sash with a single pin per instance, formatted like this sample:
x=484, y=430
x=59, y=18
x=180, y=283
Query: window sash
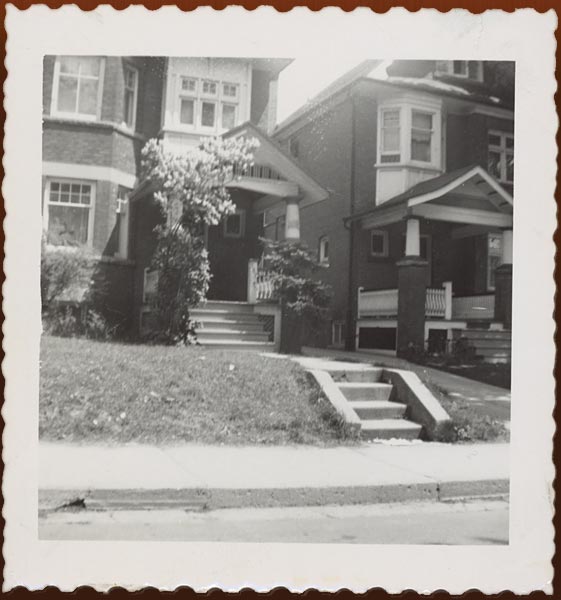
x=390, y=145
x=131, y=94
x=77, y=87
x=500, y=155
x=239, y=231
x=383, y=237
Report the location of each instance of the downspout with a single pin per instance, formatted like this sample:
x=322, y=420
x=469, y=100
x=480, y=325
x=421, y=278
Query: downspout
x=350, y=337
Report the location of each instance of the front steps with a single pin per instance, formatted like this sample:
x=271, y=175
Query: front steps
x=492, y=345
x=230, y=325
x=380, y=417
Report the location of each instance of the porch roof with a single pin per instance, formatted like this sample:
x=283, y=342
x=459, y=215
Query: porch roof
x=468, y=195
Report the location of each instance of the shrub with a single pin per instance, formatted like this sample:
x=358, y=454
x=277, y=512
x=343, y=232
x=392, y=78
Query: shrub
x=61, y=321
x=63, y=270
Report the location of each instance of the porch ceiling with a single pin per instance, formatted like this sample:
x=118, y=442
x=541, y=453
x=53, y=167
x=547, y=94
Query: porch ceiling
x=469, y=196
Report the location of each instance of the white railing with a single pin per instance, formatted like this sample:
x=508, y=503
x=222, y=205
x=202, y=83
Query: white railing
x=473, y=307
x=260, y=286
x=377, y=303
x=435, y=302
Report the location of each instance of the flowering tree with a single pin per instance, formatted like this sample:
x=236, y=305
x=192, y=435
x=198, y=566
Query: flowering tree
x=191, y=191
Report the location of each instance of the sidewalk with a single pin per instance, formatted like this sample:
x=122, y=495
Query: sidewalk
x=228, y=476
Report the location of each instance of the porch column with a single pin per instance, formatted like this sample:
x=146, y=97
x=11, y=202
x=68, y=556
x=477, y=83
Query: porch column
x=503, y=282
x=292, y=225
x=412, y=290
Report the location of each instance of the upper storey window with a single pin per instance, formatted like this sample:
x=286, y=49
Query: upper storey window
x=500, y=156
x=77, y=87
x=409, y=134
x=131, y=95
x=207, y=105
x=466, y=69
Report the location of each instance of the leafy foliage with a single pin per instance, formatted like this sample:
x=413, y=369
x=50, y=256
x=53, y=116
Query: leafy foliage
x=191, y=189
x=294, y=269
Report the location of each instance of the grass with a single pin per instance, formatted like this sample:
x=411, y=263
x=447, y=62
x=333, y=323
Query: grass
x=117, y=393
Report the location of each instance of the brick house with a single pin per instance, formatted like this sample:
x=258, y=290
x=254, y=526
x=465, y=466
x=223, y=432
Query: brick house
x=417, y=229
x=98, y=114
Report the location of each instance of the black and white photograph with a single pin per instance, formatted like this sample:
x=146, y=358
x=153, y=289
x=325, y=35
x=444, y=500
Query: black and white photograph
x=276, y=300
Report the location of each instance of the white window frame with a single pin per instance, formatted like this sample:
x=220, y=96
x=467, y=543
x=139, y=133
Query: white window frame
x=430, y=131
x=497, y=253
x=323, y=257
x=382, y=152
x=241, y=233
x=448, y=69
x=385, y=243
x=406, y=107
x=76, y=115
x=236, y=108
x=502, y=150
x=128, y=67
x=91, y=208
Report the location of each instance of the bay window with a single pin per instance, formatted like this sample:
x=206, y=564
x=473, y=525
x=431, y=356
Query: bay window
x=207, y=105
x=77, y=87
x=500, y=157
x=410, y=133
x=68, y=212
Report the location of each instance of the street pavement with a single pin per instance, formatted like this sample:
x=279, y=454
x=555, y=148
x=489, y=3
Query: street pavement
x=473, y=523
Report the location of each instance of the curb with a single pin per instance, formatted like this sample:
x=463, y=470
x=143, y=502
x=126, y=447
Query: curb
x=200, y=499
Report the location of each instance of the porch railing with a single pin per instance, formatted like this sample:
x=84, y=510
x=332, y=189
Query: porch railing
x=260, y=286
x=377, y=303
x=435, y=303
x=473, y=307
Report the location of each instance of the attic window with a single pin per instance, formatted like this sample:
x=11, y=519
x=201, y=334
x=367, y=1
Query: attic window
x=294, y=147
x=466, y=69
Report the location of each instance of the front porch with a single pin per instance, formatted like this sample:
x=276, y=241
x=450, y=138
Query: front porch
x=440, y=268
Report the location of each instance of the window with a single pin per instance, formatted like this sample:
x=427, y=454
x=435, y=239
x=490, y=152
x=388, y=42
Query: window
x=337, y=333
x=379, y=243
x=208, y=114
x=228, y=116
x=421, y=136
x=150, y=287
x=68, y=214
x=466, y=69
x=494, y=253
x=77, y=86
x=500, y=157
x=324, y=250
x=131, y=91
x=207, y=105
x=459, y=67
x=234, y=225
x=390, y=146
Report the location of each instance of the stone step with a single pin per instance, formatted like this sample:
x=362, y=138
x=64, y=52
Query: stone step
x=204, y=335
x=356, y=376
x=378, y=409
x=366, y=391
x=237, y=345
x=233, y=307
x=230, y=325
x=386, y=429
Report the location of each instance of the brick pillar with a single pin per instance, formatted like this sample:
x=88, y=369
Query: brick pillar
x=503, y=295
x=412, y=290
x=503, y=282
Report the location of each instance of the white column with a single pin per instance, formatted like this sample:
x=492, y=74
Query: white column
x=447, y=285
x=292, y=225
x=252, y=268
x=506, y=249
x=413, y=238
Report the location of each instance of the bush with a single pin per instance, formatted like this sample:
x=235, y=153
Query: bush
x=61, y=321
x=63, y=271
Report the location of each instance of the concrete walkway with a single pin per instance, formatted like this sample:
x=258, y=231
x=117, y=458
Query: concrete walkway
x=453, y=385
x=226, y=476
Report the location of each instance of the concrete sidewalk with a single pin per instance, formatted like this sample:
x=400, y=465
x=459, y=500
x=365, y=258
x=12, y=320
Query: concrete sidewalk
x=225, y=476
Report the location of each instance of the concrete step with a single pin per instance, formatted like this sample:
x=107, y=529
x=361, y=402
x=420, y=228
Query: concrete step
x=358, y=376
x=386, y=429
x=237, y=345
x=378, y=409
x=204, y=335
x=366, y=391
x=229, y=325
x=233, y=307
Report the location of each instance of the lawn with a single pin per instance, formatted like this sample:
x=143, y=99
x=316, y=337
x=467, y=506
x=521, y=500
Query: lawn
x=114, y=393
